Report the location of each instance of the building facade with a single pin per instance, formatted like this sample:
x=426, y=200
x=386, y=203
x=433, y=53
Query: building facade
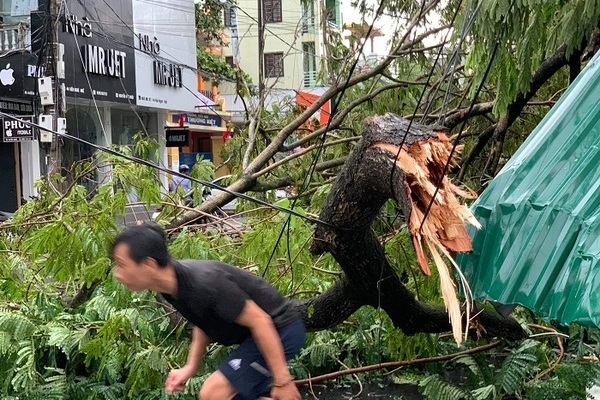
x=127, y=67
x=294, y=41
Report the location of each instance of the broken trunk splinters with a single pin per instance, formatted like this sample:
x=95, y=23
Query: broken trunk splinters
x=443, y=229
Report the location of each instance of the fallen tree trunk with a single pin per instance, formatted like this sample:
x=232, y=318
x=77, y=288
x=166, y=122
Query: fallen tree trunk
x=370, y=177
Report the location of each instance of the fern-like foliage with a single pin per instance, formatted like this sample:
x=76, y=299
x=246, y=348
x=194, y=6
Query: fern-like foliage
x=517, y=367
x=435, y=388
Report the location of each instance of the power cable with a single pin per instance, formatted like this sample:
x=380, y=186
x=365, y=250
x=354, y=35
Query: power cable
x=461, y=130
x=335, y=103
x=429, y=77
x=165, y=170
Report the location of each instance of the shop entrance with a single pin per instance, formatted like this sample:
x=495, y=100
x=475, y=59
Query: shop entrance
x=8, y=178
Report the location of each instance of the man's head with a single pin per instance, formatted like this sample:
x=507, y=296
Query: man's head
x=138, y=251
x=184, y=169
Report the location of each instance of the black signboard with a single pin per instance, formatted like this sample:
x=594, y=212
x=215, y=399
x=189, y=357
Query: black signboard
x=98, y=39
x=16, y=131
x=16, y=107
x=177, y=137
x=199, y=119
x=18, y=75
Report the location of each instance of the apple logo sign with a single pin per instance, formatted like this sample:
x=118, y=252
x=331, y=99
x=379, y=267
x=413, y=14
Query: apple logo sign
x=6, y=76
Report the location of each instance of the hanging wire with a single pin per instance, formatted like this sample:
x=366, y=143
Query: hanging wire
x=162, y=169
x=461, y=130
x=334, y=106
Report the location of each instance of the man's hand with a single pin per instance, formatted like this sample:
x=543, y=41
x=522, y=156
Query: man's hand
x=285, y=391
x=177, y=379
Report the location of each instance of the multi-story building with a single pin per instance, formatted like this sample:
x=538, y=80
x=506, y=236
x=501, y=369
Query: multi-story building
x=17, y=85
x=123, y=69
x=294, y=40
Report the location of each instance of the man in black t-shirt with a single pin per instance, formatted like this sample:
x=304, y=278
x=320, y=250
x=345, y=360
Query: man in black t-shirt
x=226, y=305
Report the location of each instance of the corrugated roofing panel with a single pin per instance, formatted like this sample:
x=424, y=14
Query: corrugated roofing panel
x=540, y=241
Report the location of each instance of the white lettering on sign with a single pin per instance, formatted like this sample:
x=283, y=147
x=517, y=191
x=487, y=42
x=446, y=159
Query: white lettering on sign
x=81, y=28
x=35, y=72
x=14, y=124
x=100, y=61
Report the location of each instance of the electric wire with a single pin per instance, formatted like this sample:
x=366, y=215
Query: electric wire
x=165, y=170
x=334, y=105
x=111, y=39
x=461, y=130
x=420, y=99
x=155, y=56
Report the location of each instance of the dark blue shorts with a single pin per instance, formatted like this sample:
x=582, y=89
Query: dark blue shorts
x=247, y=370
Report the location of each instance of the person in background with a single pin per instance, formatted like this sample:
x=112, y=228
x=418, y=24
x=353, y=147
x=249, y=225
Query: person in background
x=226, y=305
x=182, y=183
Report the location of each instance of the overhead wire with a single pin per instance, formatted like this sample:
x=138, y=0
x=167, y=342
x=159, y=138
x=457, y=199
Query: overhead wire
x=334, y=105
x=160, y=168
x=110, y=38
x=421, y=96
x=468, y=113
x=163, y=169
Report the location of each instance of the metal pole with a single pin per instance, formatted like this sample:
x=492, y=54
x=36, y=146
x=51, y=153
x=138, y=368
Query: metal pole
x=54, y=158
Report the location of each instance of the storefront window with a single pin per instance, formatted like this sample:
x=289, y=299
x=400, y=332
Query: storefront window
x=126, y=123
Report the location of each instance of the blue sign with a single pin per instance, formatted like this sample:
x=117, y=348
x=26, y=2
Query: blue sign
x=199, y=119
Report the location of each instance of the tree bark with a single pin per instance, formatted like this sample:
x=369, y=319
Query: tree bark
x=368, y=180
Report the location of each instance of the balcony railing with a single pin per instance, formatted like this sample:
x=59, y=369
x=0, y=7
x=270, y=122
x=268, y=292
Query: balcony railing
x=208, y=93
x=310, y=78
x=14, y=37
x=308, y=24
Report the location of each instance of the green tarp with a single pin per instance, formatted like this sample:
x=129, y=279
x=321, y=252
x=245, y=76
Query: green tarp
x=540, y=242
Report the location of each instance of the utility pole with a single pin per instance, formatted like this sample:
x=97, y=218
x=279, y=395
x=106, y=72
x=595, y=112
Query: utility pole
x=53, y=108
x=261, y=54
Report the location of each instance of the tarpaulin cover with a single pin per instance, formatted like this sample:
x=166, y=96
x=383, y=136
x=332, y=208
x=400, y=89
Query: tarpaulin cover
x=540, y=242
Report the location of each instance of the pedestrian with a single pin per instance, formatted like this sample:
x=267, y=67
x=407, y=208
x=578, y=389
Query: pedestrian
x=225, y=305
x=183, y=183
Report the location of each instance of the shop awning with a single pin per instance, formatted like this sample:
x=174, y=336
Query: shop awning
x=203, y=102
x=540, y=242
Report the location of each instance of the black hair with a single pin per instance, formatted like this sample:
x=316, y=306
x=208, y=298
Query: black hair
x=144, y=240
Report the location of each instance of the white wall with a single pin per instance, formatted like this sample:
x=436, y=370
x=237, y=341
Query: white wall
x=285, y=36
x=171, y=25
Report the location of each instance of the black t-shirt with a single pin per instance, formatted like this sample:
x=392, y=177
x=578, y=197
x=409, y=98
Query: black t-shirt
x=211, y=295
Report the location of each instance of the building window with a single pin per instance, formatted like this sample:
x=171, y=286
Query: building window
x=308, y=17
x=229, y=16
x=229, y=60
x=271, y=10
x=309, y=64
x=273, y=65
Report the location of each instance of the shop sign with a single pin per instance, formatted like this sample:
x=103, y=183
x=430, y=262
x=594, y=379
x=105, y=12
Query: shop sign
x=165, y=59
x=17, y=107
x=17, y=131
x=212, y=120
x=177, y=137
x=18, y=75
x=99, y=56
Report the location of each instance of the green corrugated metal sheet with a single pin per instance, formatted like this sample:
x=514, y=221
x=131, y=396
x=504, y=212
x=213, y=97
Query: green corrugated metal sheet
x=540, y=242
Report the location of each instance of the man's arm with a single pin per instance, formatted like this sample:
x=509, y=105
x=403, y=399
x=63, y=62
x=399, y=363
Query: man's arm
x=178, y=377
x=265, y=334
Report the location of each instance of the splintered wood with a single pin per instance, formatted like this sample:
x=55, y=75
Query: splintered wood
x=442, y=230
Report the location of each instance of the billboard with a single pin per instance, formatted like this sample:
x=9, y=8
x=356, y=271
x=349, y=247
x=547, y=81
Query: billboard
x=18, y=75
